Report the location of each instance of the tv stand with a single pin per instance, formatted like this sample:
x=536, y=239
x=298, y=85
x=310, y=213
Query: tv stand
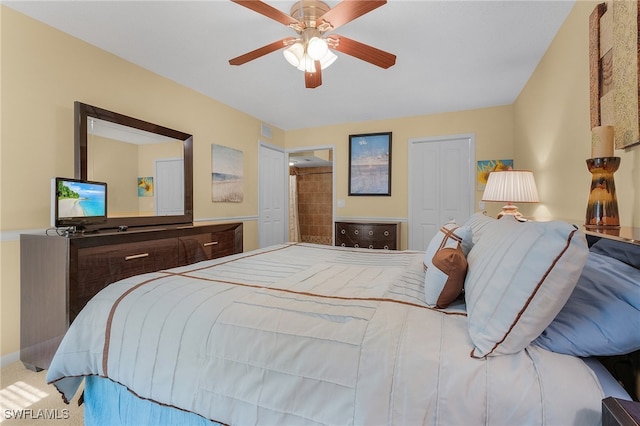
x=59, y=274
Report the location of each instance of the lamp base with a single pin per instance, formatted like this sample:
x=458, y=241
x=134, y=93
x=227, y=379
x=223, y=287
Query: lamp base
x=511, y=210
x=602, y=208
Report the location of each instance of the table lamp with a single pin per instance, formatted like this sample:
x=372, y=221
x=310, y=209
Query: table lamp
x=511, y=186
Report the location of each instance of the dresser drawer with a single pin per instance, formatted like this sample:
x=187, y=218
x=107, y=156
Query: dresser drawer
x=367, y=235
x=206, y=246
x=58, y=275
x=100, y=266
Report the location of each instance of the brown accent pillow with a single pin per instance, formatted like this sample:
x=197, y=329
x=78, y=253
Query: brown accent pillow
x=452, y=262
x=445, y=265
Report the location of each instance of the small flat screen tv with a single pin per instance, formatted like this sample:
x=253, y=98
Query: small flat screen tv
x=77, y=203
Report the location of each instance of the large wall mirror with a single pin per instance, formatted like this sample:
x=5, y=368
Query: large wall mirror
x=148, y=168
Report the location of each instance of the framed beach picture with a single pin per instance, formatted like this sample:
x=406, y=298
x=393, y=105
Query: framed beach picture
x=227, y=175
x=370, y=164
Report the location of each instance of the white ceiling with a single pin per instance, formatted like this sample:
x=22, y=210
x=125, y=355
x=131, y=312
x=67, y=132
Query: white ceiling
x=451, y=55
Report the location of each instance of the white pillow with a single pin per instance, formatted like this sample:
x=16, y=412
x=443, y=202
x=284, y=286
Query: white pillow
x=446, y=265
x=520, y=275
x=477, y=223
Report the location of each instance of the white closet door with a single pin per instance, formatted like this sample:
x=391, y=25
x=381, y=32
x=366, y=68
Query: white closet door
x=272, y=188
x=441, y=185
x=169, y=187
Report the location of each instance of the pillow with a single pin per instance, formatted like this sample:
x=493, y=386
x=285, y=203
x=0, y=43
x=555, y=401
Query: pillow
x=624, y=252
x=446, y=265
x=520, y=275
x=602, y=315
x=477, y=223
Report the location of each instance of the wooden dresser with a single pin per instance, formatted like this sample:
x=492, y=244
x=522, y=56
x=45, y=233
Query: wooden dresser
x=58, y=275
x=373, y=235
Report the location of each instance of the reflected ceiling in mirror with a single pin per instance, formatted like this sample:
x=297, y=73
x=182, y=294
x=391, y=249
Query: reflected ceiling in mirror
x=148, y=167
x=115, y=131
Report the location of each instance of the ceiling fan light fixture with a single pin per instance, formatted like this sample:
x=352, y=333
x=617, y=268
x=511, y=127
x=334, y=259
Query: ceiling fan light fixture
x=294, y=54
x=317, y=48
x=328, y=59
x=311, y=50
x=307, y=64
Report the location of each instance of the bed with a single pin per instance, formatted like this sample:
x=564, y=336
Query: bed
x=489, y=325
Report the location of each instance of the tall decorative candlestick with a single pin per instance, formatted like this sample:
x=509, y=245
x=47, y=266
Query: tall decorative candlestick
x=602, y=208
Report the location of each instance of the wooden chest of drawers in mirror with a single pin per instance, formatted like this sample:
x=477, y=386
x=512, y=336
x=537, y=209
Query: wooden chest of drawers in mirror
x=373, y=235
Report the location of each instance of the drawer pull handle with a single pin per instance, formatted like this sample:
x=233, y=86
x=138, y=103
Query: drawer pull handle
x=136, y=256
x=356, y=232
x=370, y=232
x=386, y=233
x=212, y=243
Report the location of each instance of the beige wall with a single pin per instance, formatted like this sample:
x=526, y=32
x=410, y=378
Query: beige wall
x=494, y=133
x=122, y=195
x=45, y=71
x=553, y=135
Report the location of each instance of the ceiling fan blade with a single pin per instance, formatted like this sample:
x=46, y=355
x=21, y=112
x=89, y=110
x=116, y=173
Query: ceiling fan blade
x=268, y=11
x=313, y=79
x=254, y=54
x=348, y=10
x=362, y=51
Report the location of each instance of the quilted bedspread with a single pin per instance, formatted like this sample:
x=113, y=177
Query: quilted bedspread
x=306, y=334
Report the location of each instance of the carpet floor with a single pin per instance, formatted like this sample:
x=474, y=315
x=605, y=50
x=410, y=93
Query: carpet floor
x=26, y=399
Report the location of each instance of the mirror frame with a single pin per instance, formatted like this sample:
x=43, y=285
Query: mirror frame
x=84, y=111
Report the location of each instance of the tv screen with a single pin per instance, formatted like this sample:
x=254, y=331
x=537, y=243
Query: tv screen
x=78, y=203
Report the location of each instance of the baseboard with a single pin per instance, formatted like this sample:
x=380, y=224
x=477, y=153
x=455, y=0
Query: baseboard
x=226, y=219
x=369, y=219
x=15, y=235
x=9, y=359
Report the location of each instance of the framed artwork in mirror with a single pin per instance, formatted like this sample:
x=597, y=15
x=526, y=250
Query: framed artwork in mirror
x=370, y=164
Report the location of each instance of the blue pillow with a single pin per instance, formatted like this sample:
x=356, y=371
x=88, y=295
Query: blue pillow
x=602, y=315
x=624, y=252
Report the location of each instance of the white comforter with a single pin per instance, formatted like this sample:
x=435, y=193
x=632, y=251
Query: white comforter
x=304, y=334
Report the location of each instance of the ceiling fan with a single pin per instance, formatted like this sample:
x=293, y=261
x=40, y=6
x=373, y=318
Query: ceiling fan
x=311, y=51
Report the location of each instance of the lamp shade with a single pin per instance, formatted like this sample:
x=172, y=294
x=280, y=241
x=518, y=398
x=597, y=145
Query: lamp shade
x=307, y=64
x=303, y=54
x=511, y=186
x=294, y=53
x=327, y=59
x=317, y=48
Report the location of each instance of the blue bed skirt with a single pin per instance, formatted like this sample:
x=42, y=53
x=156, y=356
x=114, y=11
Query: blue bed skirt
x=109, y=404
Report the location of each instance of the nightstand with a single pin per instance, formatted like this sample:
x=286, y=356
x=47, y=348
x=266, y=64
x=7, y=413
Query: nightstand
x=619, y=412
